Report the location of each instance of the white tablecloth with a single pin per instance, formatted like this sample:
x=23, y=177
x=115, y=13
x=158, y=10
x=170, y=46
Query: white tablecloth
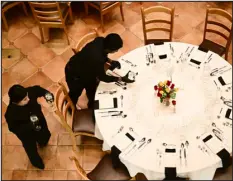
x=199, y=112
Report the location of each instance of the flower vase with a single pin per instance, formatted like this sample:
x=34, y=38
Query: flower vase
x=166, y=101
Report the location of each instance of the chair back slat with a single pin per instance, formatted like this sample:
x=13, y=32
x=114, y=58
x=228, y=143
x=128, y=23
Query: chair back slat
x=226, y=26
x=158, y=21
x=45, y=5
x=39, y=12
x=158, y=29
x=52, y=18
x=220, y=12
x=219, y=24
x=157, y=9
x=217, y=32
x=46, y=12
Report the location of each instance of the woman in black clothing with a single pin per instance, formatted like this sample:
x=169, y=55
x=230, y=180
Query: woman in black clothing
x=25, y=119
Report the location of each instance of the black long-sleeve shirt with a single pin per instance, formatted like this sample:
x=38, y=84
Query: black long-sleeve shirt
x=18, y=117
x=88, y=64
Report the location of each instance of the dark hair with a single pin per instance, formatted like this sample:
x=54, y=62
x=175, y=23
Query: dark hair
x=17, y=93
x=113, y=42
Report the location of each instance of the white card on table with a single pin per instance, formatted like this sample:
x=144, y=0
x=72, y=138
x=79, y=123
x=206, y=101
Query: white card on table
x=213, y=143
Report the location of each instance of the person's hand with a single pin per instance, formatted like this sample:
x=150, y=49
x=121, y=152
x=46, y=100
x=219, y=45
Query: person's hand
x=126, y=79
x=115, y=64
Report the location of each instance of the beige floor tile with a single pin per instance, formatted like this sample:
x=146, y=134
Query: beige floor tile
x=39, y=78
x=4, y=107
x=12, y=140
x=16, y=31
x=92, y=20
x=54, y=125
x=40, y=175
x=81, y=26
x=130, y=16
x=55, y=69
x=29, y=21
x=5, y=42
x=7, y=174
x=130, y=42
x=14, y=157
x=86, y=140
x=20, y=72
x=111, y=27
x=58, y=42
x=63, y=153
x=53, y=139
x=64, y=139
x=73, y=175
x=137, y=30
x=27, y=43
x=19, y=175
x=40, y=56
x=92, y=156
x=195, y=38
x=67, y=54
x=10, y=56
x=8, y=80
x=60, y=175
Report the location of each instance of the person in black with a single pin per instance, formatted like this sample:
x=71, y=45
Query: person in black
x=86, y=68
x=25, y=119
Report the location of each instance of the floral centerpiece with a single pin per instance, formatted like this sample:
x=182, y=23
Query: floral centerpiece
x=166, y=91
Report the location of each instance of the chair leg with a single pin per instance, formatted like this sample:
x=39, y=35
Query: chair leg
x=41, y=34
x=66, y=32
x=102, y=21
x=73, y=138
x=71, y=15
x=86, y=8
x=122, y=13
x=226, y=56
x=4, y=21
x=24, y=9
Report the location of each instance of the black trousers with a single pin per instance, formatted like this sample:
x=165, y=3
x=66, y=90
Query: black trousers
x=30, y=145
x=76, y=86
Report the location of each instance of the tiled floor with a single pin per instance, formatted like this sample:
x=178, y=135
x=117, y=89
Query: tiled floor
x=43, y=64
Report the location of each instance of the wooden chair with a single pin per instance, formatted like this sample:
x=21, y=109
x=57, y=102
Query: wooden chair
x=8, y=5
x=104, y=170
x=157, y=9
x=51, y=15
x=84, y=40
x=82, y=121
x=214, y=46
x=104, y=8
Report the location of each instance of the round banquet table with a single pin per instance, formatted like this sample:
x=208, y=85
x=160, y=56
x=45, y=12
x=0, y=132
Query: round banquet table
x=189, y=139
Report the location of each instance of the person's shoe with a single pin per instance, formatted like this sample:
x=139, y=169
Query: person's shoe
x=39, y=165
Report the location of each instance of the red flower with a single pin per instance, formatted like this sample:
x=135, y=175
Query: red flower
x=160, y=88
x=168, y=96
x=172, y=86
x=156, y=87
x=159, y=95
x=174, y=102
x=168, y=83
